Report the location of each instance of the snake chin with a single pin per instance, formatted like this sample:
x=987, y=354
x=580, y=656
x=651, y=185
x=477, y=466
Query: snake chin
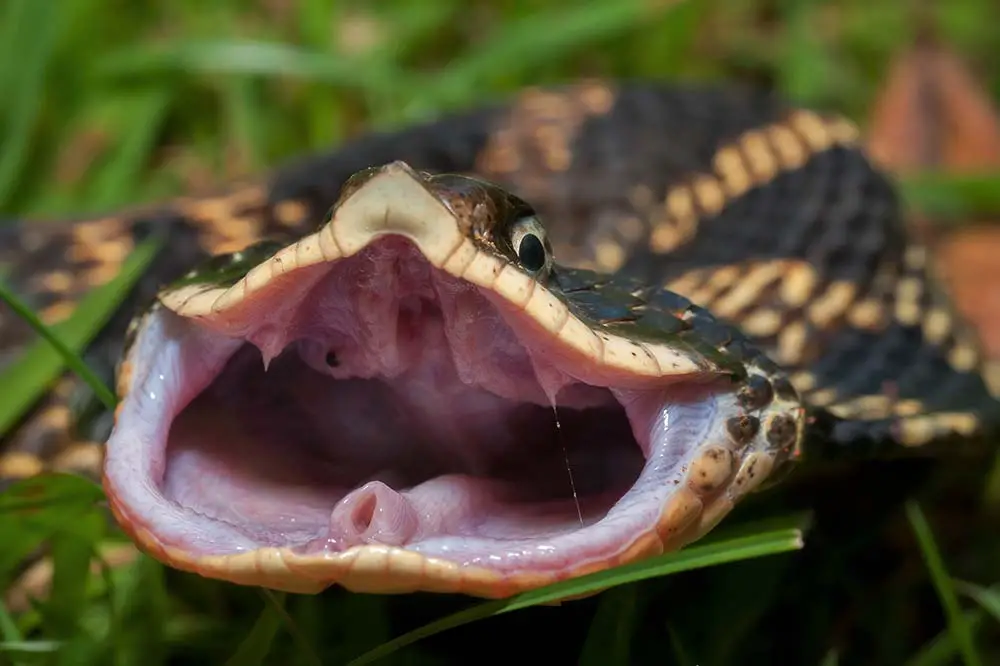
x=388, y=404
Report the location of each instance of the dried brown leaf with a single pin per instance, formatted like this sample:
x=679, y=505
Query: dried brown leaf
x=932, y=114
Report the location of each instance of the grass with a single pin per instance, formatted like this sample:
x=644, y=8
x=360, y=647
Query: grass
x=109, y=104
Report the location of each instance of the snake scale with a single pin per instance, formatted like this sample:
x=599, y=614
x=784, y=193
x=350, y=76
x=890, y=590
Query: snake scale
x=659, y=200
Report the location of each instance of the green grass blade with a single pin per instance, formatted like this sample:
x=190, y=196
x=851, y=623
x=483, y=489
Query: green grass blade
x=957, y=625
x=142, y=115
x=246, y=57
x=987, y=597
x=277, y=604
x=538, y=38
x=72, y=551
x=34, y=371
x=955, y=196
x=71, y=359
x=254, y=648
x=942, y=649
x=610, y=637
x=695, y=557
x=11, y=637
x=35, y=36
x=29, y=647
x=44, y=491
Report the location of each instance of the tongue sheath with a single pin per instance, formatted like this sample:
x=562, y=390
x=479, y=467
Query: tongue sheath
x=377, y=514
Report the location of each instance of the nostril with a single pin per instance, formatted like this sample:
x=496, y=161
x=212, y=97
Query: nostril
x=332, y=360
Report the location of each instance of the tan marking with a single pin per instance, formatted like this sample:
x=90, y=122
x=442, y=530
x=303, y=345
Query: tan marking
x=937, y=325
x=823, y=397
x=915, y=257
x=871, y=406
x=209, y=211
x=101, y=274
x=748, y=290
x=686, y=283
x=501, y=156
x=19, y=465
x=832, y=303
x=610, y=255
x=541, y=129
x=680, y=203
x=679, y=223
x=908, y=308
x=920, y=430
x=55, y=417
x=792, y=152
x=792, y=343
x=57, y=312
x=728, y=164
x=963, y=357
x=762, y=323
x=909, y=407
x=813, y=129
x=597, y=98
x=798, y=283
x=991, y=375
x=754, y=157
x=556, y=150
x=290, y=213
x=760, y=156
x=718, y=281
x=710, y=195
x=867, y=315
x=665, y=238
x=803, y=381
x=81, y=457
x=102, y=241
x=56, y=282
x=631, y=228
x=231, y=234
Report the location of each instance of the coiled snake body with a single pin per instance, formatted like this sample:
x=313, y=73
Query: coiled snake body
x=639, y=239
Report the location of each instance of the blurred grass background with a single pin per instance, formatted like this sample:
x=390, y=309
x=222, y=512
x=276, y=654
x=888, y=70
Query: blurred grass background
x=105, y=103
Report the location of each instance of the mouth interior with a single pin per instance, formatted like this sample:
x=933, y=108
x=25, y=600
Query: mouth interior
x=398, y=406
x=295, y=455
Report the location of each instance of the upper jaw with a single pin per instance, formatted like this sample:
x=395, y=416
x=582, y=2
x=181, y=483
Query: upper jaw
x=683, y=409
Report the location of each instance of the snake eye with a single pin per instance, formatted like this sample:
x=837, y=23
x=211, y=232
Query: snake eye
x=528, y=240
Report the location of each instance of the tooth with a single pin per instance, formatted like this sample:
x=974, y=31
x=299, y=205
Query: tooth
x=270, y=344
x=374, y=513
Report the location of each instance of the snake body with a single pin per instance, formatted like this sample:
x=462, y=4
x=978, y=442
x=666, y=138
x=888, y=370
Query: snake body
x=766, y=215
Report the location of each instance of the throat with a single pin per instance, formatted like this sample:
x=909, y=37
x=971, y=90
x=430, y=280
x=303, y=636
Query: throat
x=295, y=455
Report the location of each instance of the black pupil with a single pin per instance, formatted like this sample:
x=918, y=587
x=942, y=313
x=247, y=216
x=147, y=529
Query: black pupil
x=531, y=252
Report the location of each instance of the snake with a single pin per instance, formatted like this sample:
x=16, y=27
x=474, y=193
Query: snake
x=511, y=345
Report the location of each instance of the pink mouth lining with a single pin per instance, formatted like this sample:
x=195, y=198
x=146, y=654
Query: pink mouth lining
x=400, y=406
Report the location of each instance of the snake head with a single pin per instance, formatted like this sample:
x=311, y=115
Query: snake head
x=418, y=397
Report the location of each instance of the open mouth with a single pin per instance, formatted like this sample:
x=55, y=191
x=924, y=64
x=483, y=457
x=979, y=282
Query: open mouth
x=389, y=406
